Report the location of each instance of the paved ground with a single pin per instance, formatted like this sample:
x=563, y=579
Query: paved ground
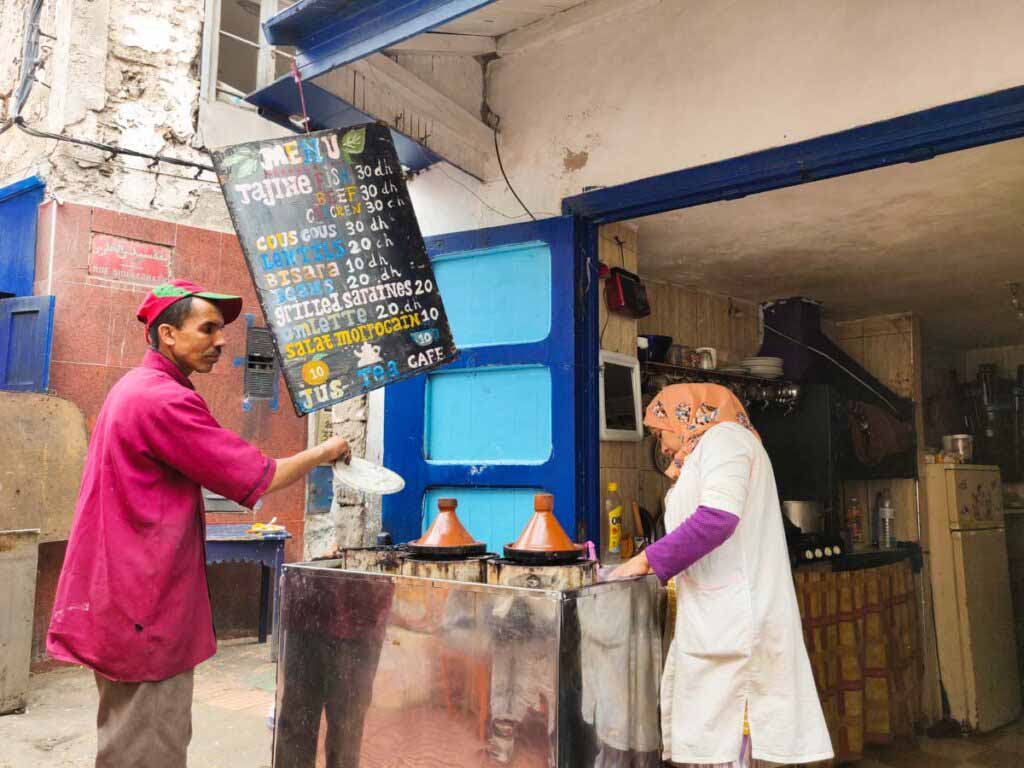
x=1003, y=748
x=233, y=692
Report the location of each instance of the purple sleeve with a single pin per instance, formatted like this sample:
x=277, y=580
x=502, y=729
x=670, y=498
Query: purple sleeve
x=706, y=529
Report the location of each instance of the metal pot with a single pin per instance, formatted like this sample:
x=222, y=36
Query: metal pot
x=805, y=514
x=959, y=444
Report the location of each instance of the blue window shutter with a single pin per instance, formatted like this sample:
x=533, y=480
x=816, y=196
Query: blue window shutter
x=19, y=210
x=26, y=336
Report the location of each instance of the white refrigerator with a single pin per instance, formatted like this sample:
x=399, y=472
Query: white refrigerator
x=974, y=622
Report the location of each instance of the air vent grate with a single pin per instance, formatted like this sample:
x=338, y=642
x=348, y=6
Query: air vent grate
x=260, y=364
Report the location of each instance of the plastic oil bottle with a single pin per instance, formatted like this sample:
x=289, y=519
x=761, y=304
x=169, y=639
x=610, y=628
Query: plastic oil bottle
x=855, y=525
x=613, y=508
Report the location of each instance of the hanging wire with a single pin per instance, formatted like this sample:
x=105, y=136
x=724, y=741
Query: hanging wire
x=485, y=203
x=165, y=174
x=842, y=367
x=29, y=56
x=622, y=260
x=497, y=122
x=110, y=148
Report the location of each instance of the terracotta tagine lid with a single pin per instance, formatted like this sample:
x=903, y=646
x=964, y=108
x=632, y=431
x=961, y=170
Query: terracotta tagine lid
x=543, y=539
x=446, y=535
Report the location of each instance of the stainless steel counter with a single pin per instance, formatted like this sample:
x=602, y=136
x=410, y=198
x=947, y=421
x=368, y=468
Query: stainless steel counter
x=400, y=670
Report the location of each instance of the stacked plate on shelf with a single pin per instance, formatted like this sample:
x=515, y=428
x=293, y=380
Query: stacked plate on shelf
x=764, y=367
x=737, y=369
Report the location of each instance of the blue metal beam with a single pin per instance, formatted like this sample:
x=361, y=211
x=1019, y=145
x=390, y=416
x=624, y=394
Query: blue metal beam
x=909, y=138
x=333, y=33
x=280, y=99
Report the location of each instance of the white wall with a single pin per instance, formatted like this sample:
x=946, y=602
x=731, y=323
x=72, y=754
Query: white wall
x=687, y=82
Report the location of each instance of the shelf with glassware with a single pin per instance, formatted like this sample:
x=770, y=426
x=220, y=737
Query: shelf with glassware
x=751, y=390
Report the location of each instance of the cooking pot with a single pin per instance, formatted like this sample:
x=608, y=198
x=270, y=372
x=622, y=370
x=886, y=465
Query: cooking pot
x=805, y=514
x=959, y=444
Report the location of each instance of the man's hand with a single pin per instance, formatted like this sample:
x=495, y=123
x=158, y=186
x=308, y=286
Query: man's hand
x=636, y=566
x=336, y=448
x=301, y=464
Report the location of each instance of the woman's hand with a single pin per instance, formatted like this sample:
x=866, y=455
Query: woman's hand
x=636, y=566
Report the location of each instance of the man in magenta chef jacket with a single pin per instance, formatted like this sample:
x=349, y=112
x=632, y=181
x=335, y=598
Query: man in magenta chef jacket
x=132, y=602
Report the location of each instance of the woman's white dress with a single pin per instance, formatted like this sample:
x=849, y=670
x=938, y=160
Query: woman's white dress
x=738, y=638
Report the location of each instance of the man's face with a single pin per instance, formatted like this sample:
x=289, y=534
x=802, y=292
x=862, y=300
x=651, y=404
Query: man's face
x=196, y=346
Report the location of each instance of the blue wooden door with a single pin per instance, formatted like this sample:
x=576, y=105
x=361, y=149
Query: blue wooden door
x=26, y=335
x=500, y=423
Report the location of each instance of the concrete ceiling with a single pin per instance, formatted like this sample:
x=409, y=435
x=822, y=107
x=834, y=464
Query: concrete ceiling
x=940, y=238
x=504, y=16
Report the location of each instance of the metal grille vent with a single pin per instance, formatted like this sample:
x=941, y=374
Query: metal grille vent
x=260, y=364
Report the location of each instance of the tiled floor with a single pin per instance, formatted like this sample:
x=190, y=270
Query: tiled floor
x=1003, y=748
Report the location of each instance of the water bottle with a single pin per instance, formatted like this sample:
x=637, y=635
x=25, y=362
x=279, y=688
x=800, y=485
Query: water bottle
x=886, y=520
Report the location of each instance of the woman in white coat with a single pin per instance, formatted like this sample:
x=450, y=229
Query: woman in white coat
x=737, y=689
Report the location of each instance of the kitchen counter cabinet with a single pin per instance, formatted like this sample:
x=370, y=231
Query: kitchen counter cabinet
x=861, y=630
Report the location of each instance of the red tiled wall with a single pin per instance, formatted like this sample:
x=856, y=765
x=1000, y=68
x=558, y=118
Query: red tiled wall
x=96, y=339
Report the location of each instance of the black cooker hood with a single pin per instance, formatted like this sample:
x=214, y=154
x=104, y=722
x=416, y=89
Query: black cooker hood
x=792, y=331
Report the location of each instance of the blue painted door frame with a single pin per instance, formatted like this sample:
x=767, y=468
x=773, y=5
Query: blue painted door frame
x=567, y=351
x=908, y=138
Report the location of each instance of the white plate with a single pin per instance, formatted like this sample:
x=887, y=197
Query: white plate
x=367, y=477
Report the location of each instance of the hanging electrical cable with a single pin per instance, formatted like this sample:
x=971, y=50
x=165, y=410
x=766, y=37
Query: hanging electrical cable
x=29, y=56
x=497, y=152
x=622, y=260
x=838, y=364
x=113, y=150
x=485, y=203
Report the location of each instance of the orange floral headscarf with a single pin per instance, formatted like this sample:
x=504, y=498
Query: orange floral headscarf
x=690, y=410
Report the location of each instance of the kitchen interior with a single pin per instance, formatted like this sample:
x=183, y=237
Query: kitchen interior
x=873, y=327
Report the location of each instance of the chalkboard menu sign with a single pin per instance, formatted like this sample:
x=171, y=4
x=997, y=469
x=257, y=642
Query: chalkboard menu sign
x=340, y=267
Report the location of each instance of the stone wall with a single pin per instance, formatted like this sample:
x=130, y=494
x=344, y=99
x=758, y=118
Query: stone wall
x=353, y=520
x=120, y=72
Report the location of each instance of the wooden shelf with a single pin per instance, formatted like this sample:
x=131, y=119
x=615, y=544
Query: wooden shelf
x=740, y=384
